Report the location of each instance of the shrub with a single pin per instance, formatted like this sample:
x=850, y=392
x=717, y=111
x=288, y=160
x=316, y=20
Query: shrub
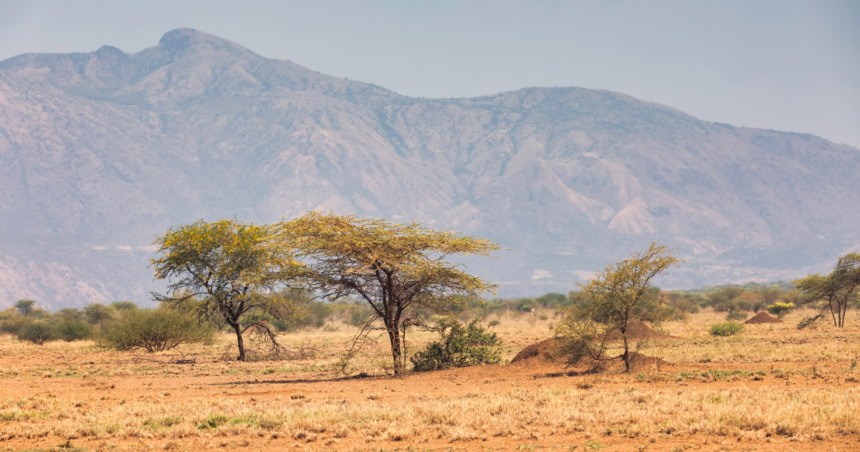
x=493, y=323
x=13, y=326
x=736, y=315
x=154, y=330
x=73, y=330
x=359, y=315
x=37, y=332
x=726, y=329
x=779, y=309
x=68, y=313
x=124, y=306
x=526, y=304
x=460, y=346
x=553, y=300
x=682, y=303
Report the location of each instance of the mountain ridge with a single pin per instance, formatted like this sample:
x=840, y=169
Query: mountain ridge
x=106, y=149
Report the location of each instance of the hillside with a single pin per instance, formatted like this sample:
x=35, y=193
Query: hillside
x=101, y=151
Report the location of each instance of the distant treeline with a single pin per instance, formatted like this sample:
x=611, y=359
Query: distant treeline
x=73, y=323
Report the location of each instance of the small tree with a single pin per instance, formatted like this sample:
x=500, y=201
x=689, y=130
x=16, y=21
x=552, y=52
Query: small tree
x=836, y=289
x=25, y=307
x=779, y=309
x=395, y=268
x=227, y=270
x=611, y=300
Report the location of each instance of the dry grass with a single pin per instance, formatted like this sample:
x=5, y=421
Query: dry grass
x=772, y=381
x=520, y=413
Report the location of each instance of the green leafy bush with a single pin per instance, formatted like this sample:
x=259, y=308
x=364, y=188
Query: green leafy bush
x=736, y=315
x=37, y=332
x=460, y=346
x=124, y=306
x=96, y=313
x=527, y=304
x=154, y=330
x=73, y=330
x=726, y=329
x=13, y=326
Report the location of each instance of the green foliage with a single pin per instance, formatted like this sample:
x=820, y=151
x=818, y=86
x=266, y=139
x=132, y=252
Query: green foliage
x=608, y=302
x=526, y=304
x=459, y=346
x=682, y=302
x=97, y=313
x=359, y=315
x=835, y=290
x=395, y=268
x=213, y=421
x=69, y=313
x=37, y=332
x=25, y=307
x=153, y=330
x=124, y=305
x=13, y=326
x=779, y=309
x=736, y=315
x=726, y=329
x=71, y=329
x=553, y=300
x=229, y=272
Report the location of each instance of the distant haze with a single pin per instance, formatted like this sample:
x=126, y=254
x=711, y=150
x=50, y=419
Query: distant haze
x=783, y=65
x=102, y=151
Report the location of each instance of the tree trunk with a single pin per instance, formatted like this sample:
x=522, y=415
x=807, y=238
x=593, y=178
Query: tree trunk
x=240, y=342
x=626, y=352
x=396, y=352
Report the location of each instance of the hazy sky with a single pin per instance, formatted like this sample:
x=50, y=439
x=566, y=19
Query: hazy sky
x=784, y=65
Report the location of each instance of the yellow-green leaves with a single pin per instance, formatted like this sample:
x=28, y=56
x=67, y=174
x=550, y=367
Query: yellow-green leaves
x=836, y=288
x=393, y=267
x=612, y=299
x=226, y=269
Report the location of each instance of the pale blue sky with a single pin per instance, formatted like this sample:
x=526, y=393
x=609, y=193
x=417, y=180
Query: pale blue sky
x=784, y=65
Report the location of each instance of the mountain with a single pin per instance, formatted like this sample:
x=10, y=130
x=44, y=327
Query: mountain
x=101, y=151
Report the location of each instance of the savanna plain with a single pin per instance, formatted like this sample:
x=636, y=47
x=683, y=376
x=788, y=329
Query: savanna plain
x=772, y=387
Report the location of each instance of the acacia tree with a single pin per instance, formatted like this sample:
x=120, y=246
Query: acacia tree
x=227, y=270
x=395, y=268
x=25, y=307
x=613, y=299
x=836, y=288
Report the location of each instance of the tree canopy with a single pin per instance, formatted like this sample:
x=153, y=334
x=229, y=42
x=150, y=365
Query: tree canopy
x=836, y=288
x=395, y=268
x=25, y=307
x=227, y=269
x=613, y=299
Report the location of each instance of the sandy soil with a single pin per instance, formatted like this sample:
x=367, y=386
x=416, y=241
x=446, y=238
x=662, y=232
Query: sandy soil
x=54, y=395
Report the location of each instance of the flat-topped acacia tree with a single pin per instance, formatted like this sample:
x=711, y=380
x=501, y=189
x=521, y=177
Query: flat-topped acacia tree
x=227, y=269
x=393, y=267
x=837, y=288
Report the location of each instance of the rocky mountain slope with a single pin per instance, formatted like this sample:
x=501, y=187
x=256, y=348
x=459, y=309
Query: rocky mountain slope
x=101, y=151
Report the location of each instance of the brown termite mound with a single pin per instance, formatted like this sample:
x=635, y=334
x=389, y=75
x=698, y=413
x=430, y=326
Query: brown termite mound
x=762, y=317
